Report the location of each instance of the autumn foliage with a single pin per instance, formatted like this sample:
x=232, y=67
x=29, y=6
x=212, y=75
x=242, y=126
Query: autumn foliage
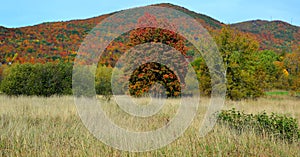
x=148, y=74
x=258, y=55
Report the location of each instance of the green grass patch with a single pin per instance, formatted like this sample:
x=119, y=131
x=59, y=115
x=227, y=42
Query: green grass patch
x=277, y=93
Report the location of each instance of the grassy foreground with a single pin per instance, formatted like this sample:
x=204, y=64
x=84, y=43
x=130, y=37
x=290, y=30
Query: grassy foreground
x=32, y=126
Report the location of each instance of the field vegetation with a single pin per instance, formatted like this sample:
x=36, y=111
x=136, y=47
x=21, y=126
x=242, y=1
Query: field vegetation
x=38, y=126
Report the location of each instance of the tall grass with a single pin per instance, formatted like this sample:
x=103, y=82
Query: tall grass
x=33, y=126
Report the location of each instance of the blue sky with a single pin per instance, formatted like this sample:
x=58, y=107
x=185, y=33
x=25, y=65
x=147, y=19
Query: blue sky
x=17, y=13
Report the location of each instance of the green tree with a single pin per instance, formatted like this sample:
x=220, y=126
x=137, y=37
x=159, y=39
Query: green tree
x=288, y=77
x=292, y=65
x=267, y=60
x=245, y=76
x=204, y=79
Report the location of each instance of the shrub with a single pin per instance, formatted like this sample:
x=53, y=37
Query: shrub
x=83, y=84
x=103, y=80
x=38, y=79
x=274, y=125
x=1, y=73
x=83, y=81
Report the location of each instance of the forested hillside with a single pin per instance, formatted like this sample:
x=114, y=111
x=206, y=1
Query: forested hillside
x=52, y=41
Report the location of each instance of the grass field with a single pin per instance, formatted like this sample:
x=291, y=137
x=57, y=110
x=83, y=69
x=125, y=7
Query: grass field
x=32, y=126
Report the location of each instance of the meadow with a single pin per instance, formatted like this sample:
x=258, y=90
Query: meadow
x=38, y=126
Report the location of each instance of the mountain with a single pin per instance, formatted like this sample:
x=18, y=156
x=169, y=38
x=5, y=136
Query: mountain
x=277, y=35
x=60, y=40
x=206, y=21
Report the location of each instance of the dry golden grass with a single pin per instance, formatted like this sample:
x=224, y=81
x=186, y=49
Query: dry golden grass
x=33, y=126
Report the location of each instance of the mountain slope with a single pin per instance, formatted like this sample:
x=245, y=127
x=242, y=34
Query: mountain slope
x=276, y=35
x=60, y=40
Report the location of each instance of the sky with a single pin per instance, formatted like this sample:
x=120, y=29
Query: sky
x=19, y=13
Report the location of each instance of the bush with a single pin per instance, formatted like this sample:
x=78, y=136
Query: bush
x=274, y=125
x=38, y=79
x=83, y=81
x=83, y=84
x=103, y=80
x=1, y=74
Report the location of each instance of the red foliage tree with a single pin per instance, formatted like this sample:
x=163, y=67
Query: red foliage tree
x=150, y=73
